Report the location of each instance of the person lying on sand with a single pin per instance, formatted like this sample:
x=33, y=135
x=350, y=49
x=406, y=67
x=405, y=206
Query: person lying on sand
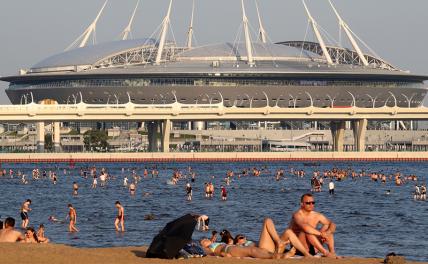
x=270, y=245
x=224, y=250
x=271, y=241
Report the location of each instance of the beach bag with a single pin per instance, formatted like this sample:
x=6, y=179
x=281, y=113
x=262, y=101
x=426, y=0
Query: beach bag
x=194, y=250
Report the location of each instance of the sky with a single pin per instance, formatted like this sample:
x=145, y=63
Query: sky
x=33, y=30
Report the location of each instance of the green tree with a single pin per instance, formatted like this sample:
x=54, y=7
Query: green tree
x=95, y=140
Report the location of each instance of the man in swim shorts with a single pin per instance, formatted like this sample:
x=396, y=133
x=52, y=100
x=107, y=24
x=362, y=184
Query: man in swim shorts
x=73, y=219
x=25, y=208
x=304, y=223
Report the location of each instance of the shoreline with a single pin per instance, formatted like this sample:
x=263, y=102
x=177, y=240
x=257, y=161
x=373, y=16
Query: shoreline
x=215, y=157
x=57, y=253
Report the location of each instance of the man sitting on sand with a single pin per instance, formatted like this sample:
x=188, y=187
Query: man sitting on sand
x=304, y=224
x=9, y=234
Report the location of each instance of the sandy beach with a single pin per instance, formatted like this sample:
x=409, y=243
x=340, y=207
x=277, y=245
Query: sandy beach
x=52, y=253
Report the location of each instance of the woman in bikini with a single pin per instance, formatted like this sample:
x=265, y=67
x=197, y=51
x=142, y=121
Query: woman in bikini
x=271, y=245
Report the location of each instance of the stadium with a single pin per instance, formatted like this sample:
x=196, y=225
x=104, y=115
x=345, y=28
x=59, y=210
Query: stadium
x=250, y=73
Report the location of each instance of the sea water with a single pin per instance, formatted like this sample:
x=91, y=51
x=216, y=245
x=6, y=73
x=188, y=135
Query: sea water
x=370, y=222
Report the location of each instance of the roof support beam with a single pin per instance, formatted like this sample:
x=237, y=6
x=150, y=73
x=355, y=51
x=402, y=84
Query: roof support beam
x=165, y=26
x=127, y=30
x=350, y=37
x=262, y=32
x=90, y=30
x=250, y=59
x=318, y=35
x=190, y=32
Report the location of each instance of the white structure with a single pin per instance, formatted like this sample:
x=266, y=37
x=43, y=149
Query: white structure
x=127, y=30
x=348, y=31
x=88, y=32
x=165, y=26
x=262, y=31
x=250, y=59
x=190, y=32
x=318, y=35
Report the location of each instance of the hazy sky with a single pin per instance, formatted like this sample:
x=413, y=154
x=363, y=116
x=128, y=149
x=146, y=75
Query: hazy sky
x=33, y=30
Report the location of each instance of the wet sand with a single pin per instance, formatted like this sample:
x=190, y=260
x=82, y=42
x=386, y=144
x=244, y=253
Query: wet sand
x=58, y=254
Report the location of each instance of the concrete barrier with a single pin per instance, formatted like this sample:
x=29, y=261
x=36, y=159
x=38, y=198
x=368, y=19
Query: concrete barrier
x=215, y=157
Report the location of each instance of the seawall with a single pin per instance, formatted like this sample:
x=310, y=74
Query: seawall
x=215, y=157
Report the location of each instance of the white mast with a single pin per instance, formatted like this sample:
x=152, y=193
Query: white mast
x=318, y=35
x=347, y=30
x=87, y=33
x=165, y=25
x=262, y=32
x=127, y=30
x=250, y=58
x=190, y=32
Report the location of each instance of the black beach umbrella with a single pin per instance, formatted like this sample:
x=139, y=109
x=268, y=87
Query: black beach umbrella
x=172, y=238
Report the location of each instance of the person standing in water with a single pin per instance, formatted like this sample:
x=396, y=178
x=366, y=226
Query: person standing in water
x=132, y=188
x=120, y=218
x=331, y=187
x=75, y=188
x=189, y=192
x=223, y=193
x=73, y=219
x=25, y=208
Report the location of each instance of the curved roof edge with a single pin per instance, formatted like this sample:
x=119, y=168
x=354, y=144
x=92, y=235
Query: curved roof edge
x=90, y=54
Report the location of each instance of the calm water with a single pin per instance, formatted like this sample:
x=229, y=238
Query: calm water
x=369, y=222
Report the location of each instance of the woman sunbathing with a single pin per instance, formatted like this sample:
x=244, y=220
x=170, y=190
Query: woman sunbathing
x=224, y=250
x=270, y=245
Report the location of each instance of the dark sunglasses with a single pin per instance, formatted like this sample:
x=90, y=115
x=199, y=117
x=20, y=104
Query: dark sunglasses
x=308, y=203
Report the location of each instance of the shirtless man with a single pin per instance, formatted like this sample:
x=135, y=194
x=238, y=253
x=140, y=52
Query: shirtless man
x=73, y=219
x=25, y=208
x=75, y=188
x=120, y=218
x=304, y=224
x=9, y=234
x=132, y=188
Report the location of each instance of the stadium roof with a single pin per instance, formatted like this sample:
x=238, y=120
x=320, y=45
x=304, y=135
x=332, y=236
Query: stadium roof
x=90, y=54
x=262, y=51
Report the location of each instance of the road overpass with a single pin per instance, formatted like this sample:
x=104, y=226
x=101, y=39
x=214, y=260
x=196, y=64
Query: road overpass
x=160, y=116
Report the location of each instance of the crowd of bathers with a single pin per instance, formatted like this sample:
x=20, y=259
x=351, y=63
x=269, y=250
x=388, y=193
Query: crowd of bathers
x=189, y=175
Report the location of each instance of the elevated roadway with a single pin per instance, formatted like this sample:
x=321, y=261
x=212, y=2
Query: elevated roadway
x=159, y=117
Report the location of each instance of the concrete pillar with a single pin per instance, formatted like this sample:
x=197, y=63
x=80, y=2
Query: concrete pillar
x=152, y=135
x=359, y=128
x=338, y=133
x=166, y=130
x=56, y=137
x=40, y=129
x=198, y=125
